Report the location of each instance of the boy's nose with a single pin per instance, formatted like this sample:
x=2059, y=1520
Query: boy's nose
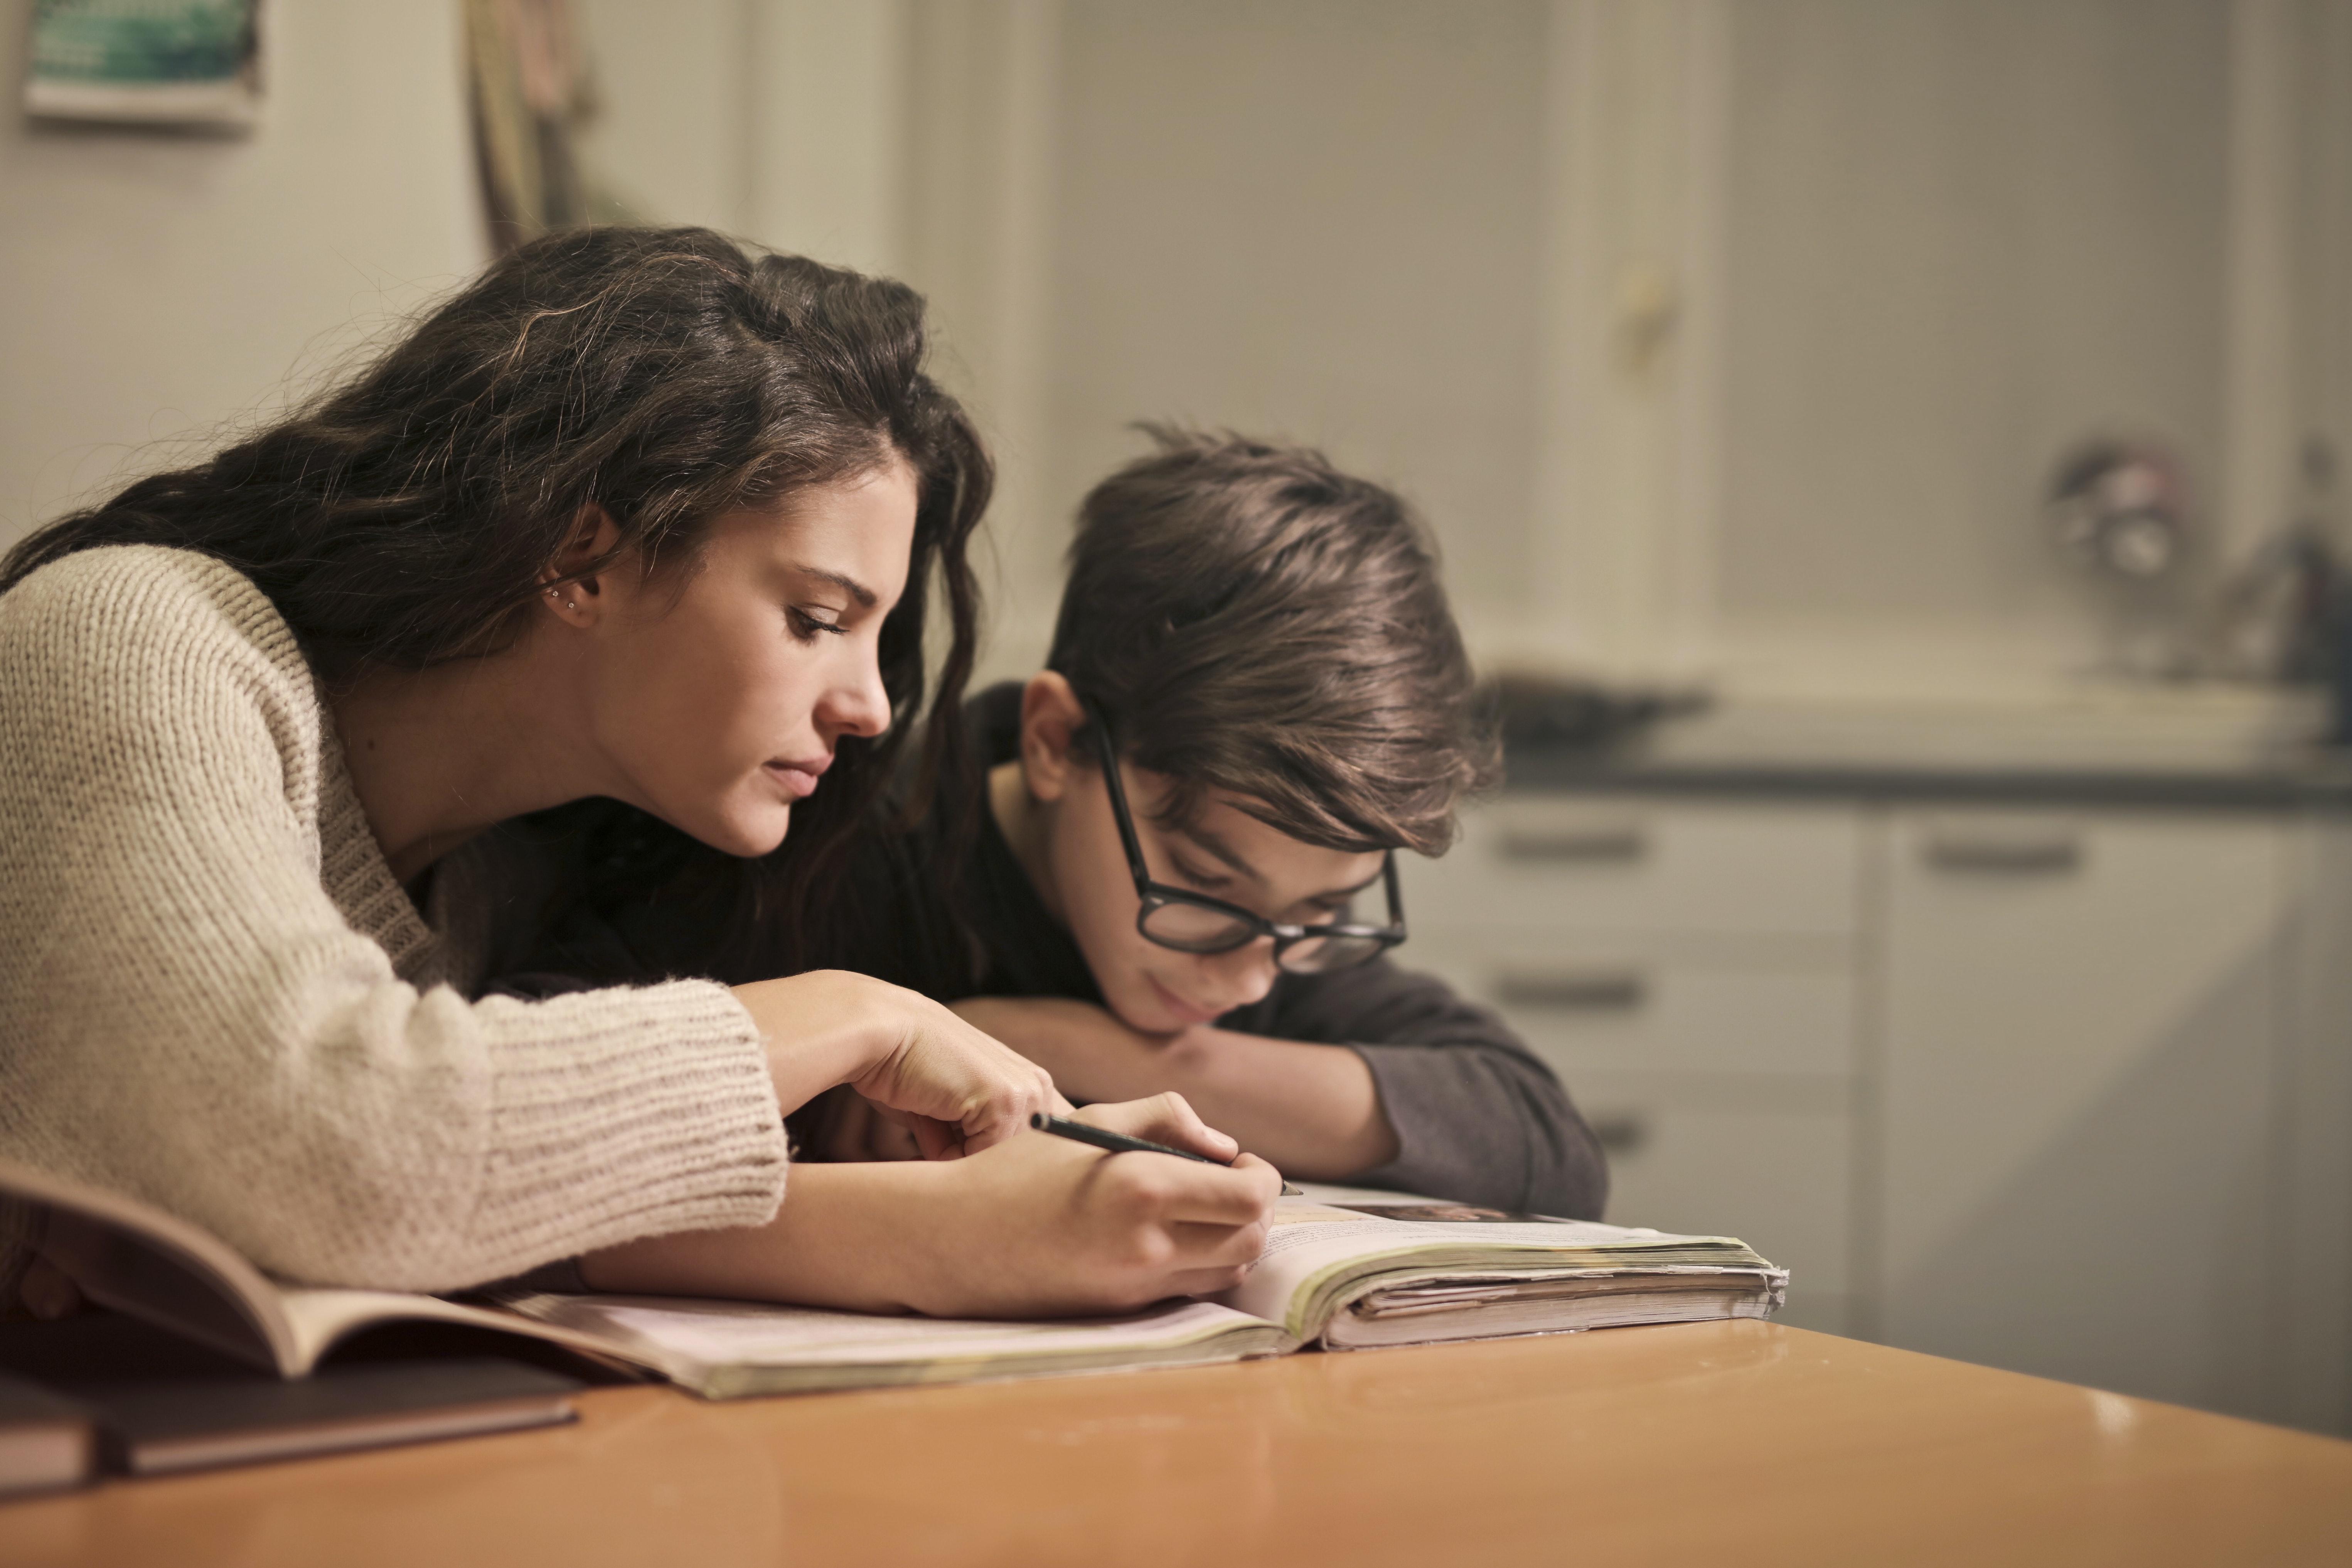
x=1243, y=976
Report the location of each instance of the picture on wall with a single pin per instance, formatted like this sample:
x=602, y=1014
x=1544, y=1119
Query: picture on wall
x=146, y=62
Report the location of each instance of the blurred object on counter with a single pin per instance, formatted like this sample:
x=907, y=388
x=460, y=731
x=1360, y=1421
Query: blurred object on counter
x=1564, y=713
x=2118, y=512
x=2281, y=617
x=172, y=64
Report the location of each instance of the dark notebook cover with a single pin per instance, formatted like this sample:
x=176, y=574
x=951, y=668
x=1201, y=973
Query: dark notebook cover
x=46, y=1440
x=164, y=1405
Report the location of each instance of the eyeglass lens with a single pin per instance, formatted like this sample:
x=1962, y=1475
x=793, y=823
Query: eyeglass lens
x=1193, y=928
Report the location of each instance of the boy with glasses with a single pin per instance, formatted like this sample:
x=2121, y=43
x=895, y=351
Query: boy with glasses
x=1181, y=874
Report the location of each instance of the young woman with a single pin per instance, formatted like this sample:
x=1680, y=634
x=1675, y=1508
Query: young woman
x=1182, y=878
x=634, y=515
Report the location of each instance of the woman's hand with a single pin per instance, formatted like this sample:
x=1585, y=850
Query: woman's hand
x=1034, y=1227
x=955, y=1090
x=1045, y=1226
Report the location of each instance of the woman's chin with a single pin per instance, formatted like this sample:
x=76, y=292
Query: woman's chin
x=751, y=834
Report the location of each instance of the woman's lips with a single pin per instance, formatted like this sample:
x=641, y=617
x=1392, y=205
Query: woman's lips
x=799, y=779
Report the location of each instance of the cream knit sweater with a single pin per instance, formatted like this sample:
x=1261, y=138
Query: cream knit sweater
x=214, y=995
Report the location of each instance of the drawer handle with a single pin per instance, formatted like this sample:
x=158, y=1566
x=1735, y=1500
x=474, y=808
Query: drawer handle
x=1620, y=1134
x=1578, y=990
x=2045, y=852
x=1586, y=842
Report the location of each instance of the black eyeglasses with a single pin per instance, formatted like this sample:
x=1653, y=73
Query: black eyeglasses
x=1195, y=922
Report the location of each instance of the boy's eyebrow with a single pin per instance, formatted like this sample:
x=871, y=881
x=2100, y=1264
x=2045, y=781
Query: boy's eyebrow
x=1349, y=893
x=1221, y=849
x=850, y=585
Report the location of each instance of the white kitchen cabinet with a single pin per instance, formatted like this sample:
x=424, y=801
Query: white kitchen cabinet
x=2079, y=1111
x=2067, y=1091
x=1769, y=1160
x=1688, y=970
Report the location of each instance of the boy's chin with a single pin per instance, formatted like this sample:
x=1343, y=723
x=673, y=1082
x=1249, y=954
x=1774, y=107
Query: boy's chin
x=1154, y=1009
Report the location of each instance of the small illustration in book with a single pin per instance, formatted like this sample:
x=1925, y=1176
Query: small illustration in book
x=1447, y=1214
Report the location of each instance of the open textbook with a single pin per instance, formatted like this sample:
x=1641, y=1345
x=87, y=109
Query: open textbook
x=1345, y=1270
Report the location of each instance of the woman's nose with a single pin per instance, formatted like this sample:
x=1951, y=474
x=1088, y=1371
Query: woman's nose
x=859, y=704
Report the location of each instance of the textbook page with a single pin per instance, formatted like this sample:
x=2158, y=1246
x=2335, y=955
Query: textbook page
x=1321, y=1257
x=725, y=1349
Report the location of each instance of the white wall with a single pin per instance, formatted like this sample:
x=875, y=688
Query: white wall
x=779, y=121
x=1731, y=338
x=154, y=285
x=1960, y=236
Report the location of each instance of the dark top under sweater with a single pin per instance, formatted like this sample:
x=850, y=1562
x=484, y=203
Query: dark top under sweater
x=1479, y=1118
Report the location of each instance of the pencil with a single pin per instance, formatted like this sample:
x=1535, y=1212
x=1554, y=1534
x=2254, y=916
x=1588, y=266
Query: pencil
x=1121, y=1144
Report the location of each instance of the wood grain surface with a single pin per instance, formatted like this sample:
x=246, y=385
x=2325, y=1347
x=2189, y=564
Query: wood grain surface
x=1714, y=1444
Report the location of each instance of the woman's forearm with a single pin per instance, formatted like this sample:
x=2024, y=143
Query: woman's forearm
x=825, y=1247
x=1031, y=1226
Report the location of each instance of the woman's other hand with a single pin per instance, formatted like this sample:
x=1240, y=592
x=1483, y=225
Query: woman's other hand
x=955, y=1090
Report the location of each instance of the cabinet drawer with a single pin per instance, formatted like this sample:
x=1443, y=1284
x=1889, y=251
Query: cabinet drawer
x=1608, y=863
x=1778, y=1176
x=1603, y=1004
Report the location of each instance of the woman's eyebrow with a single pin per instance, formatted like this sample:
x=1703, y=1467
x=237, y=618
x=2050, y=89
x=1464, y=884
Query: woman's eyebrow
x=849, y=585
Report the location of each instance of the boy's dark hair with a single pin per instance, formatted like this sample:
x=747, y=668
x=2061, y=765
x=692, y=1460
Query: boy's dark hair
x=1251, y=620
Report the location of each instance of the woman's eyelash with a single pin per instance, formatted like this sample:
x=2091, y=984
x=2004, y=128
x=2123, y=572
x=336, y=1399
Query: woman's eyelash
x=805, y=626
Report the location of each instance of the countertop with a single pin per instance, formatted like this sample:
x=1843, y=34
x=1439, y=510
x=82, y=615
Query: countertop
x=2225, y=750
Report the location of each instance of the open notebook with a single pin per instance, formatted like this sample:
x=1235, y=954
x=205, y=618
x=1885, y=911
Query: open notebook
x=1345, y=1270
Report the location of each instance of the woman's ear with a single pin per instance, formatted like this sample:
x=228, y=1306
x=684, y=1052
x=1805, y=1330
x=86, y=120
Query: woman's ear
x=1051, y=717
x=573, y=591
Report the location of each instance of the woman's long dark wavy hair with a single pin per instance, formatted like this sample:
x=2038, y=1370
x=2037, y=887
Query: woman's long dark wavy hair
x=666, y=375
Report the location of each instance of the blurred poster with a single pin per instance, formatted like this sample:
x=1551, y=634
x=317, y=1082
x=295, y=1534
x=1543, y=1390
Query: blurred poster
x=146, y=62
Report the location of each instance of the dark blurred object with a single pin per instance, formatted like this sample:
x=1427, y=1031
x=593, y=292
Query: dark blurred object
x=2281, y=617
x=167, y=1405
x=1544, y=712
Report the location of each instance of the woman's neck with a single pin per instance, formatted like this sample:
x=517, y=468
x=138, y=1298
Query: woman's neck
x=438, y=756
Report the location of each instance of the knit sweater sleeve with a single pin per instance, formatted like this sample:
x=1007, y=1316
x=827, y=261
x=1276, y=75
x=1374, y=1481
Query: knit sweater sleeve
x=188, y=1016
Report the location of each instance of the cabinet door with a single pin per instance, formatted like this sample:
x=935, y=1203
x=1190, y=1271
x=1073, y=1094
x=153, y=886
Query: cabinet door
x=1621, y=864
x=2080, y=1035
x=1766, y=1160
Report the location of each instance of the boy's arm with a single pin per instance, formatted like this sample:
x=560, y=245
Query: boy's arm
x=1312, y=1110
x=1480, y=1118
x=1369, y=1075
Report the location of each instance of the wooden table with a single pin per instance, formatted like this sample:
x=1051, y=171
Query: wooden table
x=1718, y=1444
